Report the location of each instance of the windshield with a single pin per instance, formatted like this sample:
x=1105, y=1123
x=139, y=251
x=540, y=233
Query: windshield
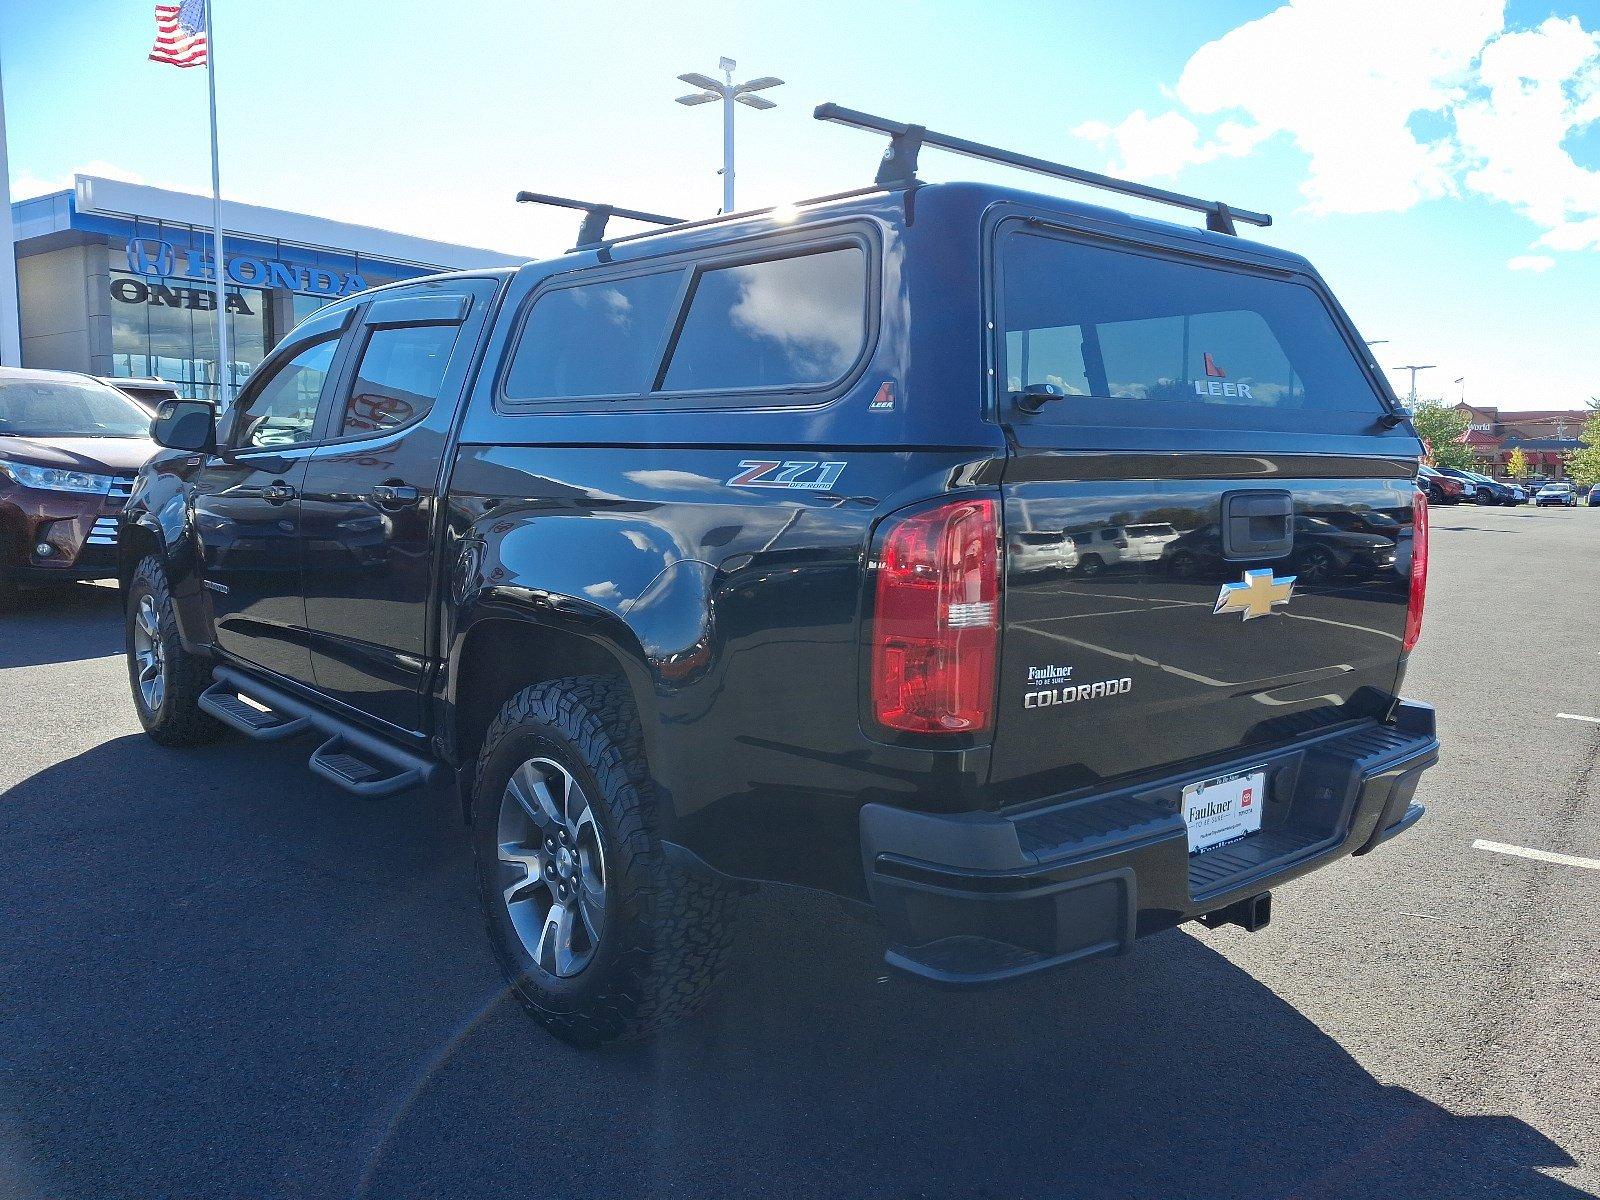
x=68, y=408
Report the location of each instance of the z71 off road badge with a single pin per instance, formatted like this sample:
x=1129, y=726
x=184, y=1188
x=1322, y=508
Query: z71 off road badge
x=1256, y=596
x=794, y=475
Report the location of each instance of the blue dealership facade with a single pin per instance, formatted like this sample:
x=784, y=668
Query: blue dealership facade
x=118, y=279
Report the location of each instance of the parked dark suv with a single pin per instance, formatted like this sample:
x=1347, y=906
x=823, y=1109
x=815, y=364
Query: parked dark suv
x=685, y=556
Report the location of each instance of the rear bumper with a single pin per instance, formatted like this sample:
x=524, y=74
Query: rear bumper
x=982, y=897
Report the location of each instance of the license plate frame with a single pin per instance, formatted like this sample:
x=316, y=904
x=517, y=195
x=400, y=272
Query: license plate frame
x=1219, y=812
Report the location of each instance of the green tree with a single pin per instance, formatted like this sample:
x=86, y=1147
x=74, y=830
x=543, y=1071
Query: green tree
x=1583, y=464
x=1443, y=429
x=1517, y=464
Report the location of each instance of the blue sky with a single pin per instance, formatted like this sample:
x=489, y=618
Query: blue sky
x=1439, y=161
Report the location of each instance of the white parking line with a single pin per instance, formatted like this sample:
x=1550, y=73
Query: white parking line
x=1566, y=860
x=1577, y=717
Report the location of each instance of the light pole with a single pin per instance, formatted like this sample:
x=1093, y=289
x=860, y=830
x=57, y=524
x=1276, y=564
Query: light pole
x=10, y=329
x=1463, y=382
x=728, y=92
x=1412, y=402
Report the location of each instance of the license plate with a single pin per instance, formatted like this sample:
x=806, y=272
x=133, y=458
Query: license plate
x=1223, y=810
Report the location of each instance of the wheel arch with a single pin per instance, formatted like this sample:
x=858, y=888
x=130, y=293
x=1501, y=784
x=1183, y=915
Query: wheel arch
x=501, y=652
x=136, y=542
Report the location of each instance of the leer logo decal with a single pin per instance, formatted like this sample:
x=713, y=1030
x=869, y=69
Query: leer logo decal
x=1256, y=596
x=793, y=475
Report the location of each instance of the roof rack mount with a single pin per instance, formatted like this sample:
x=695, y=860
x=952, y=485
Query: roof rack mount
x=899, y=166
x=593, y=230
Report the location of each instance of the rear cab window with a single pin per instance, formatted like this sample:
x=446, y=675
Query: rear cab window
x=1133, y=336
x=789, y=323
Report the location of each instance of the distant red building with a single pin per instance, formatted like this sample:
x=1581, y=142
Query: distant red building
x=1545, y=436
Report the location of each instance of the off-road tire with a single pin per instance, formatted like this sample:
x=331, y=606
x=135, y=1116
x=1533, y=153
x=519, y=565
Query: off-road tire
x=178, y=720
x=666, y=932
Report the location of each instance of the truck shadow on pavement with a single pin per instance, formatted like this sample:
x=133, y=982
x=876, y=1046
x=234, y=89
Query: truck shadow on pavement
x=223, y=978
x=40, y=626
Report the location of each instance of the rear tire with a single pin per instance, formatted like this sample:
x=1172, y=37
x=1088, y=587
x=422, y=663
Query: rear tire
x=166, y=679
x=598, y=936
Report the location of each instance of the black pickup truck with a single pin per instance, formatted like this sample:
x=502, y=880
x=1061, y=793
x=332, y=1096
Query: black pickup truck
x=684, y=557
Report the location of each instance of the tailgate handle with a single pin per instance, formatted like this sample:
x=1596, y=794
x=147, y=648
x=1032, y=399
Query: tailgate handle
x=1257, y=524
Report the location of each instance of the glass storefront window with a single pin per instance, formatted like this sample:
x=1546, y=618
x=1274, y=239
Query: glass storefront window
x=168, y=328
x=165, y=325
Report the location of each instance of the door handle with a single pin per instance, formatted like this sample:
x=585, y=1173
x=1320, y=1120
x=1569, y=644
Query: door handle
x=394, y=495
x=277, y=492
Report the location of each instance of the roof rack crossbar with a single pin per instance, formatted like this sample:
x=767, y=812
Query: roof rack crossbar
x=593, y=230
x=899, y=165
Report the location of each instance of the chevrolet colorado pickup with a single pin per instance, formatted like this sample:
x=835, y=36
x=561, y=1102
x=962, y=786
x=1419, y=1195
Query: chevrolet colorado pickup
x=687, y=557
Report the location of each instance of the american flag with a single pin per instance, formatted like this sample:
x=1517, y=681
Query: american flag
x=180, y=34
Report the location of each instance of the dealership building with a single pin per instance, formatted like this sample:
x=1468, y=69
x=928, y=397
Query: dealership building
x=1545, y=436
x=118, y=279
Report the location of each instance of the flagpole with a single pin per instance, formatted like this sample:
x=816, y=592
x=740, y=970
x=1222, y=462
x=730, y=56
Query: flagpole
x=10, y=330
x=224, y=366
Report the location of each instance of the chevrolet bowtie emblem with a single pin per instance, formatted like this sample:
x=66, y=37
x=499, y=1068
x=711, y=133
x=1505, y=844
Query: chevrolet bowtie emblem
x=1256, y=596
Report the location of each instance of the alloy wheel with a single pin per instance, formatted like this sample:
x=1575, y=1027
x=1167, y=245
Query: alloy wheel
x=149, y=654
x=552, y=866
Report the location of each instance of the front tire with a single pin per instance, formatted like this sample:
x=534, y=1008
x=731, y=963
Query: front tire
x=166, y=679
x=598, y=936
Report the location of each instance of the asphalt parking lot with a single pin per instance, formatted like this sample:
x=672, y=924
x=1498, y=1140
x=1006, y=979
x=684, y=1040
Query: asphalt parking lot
x=220, y=976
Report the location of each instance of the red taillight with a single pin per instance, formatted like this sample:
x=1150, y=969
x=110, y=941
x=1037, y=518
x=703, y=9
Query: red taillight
x=1419, y=572
x=936, y=620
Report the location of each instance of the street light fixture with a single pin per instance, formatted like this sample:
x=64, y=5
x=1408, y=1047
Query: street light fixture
x=729, y=93
x=1414, y=368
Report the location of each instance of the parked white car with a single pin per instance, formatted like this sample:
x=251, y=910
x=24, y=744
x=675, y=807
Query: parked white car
x=1039, y=551
x=1147, y=542
x=1563, y=494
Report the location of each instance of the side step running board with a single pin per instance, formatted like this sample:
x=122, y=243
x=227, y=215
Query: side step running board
x=224, y=703
x=339, y=762
x=360, y=762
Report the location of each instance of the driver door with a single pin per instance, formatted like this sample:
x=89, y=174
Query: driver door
x=246, y=505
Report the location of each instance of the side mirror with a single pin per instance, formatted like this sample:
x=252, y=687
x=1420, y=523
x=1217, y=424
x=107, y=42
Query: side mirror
x=186, y=425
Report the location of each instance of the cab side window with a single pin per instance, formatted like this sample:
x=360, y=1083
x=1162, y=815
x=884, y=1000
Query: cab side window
x=594, y=339
x=283, y=409
x=401, y=371
x=792, y=322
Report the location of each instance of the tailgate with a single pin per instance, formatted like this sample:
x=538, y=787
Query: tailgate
x=1144, y=656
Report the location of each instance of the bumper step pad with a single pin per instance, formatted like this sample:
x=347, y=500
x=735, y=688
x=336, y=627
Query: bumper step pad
x=1214, y=870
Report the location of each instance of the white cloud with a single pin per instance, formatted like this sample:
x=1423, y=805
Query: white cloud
x=1531, y=262
x=1536, y=87
x=1392, y=104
